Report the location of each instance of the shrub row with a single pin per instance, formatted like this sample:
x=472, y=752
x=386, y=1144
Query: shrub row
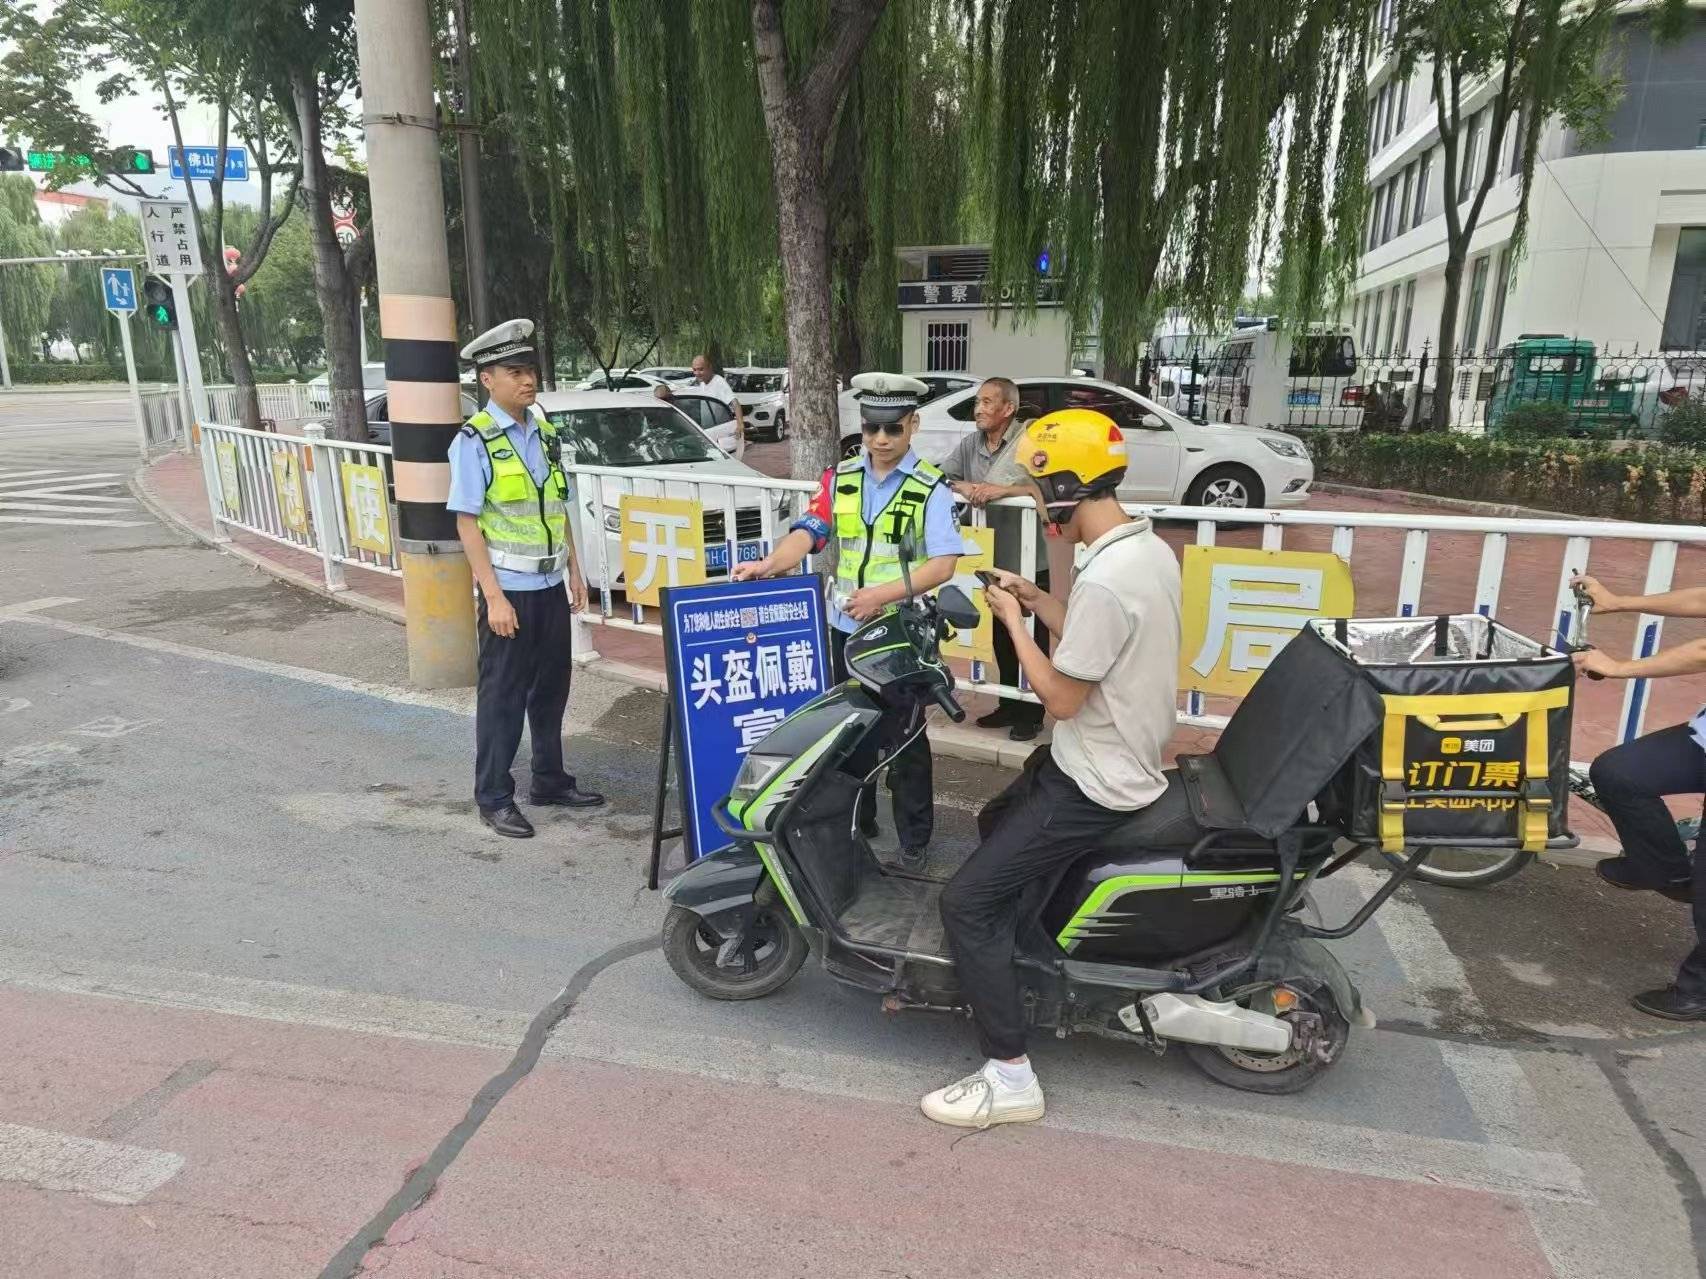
x=59, y=373
x=1657, y=483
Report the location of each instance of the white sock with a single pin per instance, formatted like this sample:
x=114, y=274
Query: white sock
x=1012, y=1076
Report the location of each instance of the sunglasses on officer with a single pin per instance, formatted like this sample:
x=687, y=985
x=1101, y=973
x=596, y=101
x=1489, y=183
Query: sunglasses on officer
x=886, y=428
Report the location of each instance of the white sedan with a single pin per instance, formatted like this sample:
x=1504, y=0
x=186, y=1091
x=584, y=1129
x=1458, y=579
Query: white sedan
x=1168, y=459
x=642, y=436
x=940, y=384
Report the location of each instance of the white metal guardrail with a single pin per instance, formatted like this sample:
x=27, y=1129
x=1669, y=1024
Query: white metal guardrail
x=327, y=497
x=164, y=422
x=282, y=403
x=332, y=499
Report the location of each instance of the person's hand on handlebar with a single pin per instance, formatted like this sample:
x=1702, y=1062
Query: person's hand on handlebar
x=1596, y=663
x=1603, y=601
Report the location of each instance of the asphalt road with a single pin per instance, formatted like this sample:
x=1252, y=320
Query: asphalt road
x=273, y=1004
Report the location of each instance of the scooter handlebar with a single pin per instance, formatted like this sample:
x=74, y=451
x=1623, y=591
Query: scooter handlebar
x=945, y=700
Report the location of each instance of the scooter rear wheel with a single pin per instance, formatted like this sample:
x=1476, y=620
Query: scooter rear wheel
x=1320, y=1034
x=759, y=964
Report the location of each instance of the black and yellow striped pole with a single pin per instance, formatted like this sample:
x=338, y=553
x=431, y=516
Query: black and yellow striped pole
x=418, y=322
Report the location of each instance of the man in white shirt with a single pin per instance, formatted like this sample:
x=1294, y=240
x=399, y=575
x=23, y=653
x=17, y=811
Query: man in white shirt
x=705, y=382
x=1111, y=687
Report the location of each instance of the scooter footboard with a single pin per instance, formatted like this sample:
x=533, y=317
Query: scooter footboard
x=1291, y=956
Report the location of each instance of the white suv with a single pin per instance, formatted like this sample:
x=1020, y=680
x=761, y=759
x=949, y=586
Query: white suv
x=1168, y=459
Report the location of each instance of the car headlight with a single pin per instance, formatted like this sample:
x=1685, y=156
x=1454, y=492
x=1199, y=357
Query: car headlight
x=755, y=775
x=612, y=519
x=1287, y=447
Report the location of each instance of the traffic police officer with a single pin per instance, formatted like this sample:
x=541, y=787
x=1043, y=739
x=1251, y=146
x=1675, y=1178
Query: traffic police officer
x=869, y=503
x=511, y=500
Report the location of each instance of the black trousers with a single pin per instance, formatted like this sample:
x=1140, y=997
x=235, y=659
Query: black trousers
x=910, y=775
x=1031, y=832
x=524, y=677
x=1018, y=710
x=1631, y=779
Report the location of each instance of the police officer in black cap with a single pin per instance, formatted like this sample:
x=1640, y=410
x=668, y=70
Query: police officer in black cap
x=511, y=498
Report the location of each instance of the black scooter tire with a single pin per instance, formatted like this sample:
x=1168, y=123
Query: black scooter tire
x=1496, y=871
x=692, y=956
x=1224, y=1069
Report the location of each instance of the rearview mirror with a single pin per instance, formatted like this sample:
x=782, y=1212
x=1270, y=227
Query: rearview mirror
x=957, y=607
x=908, y=546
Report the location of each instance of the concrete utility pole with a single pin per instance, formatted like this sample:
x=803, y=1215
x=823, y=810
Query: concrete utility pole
x=468, y=152
x=418, y=323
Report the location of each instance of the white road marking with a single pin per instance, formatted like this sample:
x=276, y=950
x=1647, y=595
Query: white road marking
x=36, y=606
x=48, y=519
x=67, y=495
x=62, y=508
x=24, y=475
x=95, y=480
x=106, y=1171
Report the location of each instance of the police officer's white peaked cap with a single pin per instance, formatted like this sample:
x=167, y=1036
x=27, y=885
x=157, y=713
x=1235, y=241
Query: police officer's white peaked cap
x=508, y=343
x=887, y=397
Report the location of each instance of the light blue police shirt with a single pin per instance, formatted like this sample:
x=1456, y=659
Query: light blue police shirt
x=941, y=533
x=471, y=473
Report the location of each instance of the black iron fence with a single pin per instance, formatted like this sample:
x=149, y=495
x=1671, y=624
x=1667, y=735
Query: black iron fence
x=1545, y=385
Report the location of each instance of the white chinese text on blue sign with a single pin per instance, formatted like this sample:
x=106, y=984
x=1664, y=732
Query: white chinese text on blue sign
x=741, y=657
x=204, y=163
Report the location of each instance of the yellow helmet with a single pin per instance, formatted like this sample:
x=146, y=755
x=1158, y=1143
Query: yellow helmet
x=1073, y=454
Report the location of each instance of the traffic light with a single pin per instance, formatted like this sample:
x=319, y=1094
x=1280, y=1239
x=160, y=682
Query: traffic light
x=11, y=160
x=158, y=305
x=133, y=160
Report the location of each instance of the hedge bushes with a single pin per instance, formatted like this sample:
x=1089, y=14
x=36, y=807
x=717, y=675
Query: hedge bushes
x=58, y=373
x=1655, y=484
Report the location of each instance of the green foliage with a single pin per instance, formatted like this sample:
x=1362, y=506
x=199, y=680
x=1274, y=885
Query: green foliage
x=1653, y=484
x=26, y=292
x=1535, y=420
x=1684, y=423
x=64, y=372
x=1147, y=146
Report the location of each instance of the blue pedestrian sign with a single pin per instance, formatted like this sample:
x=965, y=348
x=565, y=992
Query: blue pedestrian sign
x=119, y=285
x=204, y=163
x=741, y=657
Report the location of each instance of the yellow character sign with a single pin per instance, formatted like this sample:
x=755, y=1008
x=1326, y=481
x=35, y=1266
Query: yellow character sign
x=367, y=508
x=287, y=481
x=663, y=544
x=1242, y=606
x=230, y=485
x=975, y=645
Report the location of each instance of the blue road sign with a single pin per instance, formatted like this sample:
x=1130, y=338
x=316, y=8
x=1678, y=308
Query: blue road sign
x=741, y=657
x=204, y=163
x=119, y=284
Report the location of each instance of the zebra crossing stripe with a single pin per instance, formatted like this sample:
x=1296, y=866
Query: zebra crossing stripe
x=63, y=508
x=43, y=519
x=21, y=475
x=54, y=486
x=7, y=495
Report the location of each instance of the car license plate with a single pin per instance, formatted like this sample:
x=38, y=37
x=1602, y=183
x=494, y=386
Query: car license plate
x=1306, y=399
x=1593, y=404
x=717, y=555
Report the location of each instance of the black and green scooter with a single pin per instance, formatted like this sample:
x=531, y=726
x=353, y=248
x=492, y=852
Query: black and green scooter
x=1186, y=925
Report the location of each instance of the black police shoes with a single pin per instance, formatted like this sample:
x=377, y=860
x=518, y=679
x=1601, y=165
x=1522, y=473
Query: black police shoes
x=1620, y=872
x=507, y=821
x=570, y=796
x=1672, y=1004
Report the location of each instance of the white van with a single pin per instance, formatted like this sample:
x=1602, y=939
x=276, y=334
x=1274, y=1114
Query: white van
x=1262, y=376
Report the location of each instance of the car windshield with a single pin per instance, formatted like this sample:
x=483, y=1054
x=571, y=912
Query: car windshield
x=644, y=435
x=755, y=383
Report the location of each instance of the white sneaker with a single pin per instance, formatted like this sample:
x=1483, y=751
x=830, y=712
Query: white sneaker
x=977, y=1101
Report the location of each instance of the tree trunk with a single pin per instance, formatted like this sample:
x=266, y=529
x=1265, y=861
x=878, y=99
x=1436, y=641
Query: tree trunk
x=803, y=225
x=333, y=289
x=236, y=349
x=1445, y=363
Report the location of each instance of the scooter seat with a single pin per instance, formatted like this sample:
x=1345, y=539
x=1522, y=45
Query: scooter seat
x=1170, y=825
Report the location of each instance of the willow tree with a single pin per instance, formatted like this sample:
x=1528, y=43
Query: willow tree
x=1159, y=152
x=1546, y=59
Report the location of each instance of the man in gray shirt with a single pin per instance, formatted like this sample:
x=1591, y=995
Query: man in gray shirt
x=983, y=468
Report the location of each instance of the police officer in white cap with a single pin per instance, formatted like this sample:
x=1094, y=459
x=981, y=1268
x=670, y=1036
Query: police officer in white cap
x=511, y=499
x=869, y=503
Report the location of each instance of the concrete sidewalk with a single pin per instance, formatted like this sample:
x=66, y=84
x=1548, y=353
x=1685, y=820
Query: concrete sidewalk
x=173, y=489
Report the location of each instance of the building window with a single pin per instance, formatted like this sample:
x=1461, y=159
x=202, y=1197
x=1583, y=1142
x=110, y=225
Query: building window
x=1374, y=219
x=1371, y=330
x=1685, y=313
x=1404, y=328
x=1404, y=198
x=1403, y=104
x=1477, y=297
x=947, y=348
x=1391, y=323
x=1422, y=176
x=1386, y=218
x=1501, y=287
x=1469, y=154
x=1518, y=148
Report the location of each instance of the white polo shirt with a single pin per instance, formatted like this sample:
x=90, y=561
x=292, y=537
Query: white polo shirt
x=1121, y=634
x=718, y=386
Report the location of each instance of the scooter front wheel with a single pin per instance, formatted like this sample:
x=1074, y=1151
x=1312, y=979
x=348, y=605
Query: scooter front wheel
x=1319, y=1036
x=1466, y=867
x=758, y=963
